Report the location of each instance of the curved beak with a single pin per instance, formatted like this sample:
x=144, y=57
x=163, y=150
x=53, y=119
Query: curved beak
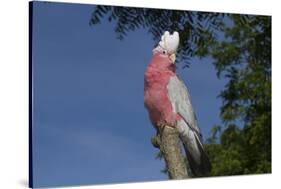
x=173, y=57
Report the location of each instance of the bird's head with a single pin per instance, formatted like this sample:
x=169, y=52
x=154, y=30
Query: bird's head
x=168, y=45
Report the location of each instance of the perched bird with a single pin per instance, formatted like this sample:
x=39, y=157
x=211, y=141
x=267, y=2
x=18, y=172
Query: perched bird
x=168, y=102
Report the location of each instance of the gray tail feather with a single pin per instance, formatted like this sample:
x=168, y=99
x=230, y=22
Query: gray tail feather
x=200, y=167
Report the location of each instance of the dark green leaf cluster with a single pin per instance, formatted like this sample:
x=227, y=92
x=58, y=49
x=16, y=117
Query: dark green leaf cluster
x=244, y=58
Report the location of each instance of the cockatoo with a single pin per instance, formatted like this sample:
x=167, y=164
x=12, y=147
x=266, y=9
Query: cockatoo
x=168, y=102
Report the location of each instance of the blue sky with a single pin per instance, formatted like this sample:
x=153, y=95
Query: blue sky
x=90, y=125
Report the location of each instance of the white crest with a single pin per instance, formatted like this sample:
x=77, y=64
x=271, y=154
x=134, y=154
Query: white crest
x=170, y=42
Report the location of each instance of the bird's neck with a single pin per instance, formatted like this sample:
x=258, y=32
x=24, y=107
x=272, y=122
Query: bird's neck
x=161, y=64
x=159, y=70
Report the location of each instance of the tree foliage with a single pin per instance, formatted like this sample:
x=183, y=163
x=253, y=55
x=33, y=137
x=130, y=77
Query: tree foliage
x=244, y=58
x=240, y=47
x=194, y=27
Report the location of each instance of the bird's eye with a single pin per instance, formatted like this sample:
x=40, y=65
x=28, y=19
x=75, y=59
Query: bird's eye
x=164, y=52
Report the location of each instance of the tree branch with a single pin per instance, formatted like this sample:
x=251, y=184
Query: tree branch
x=167, y=140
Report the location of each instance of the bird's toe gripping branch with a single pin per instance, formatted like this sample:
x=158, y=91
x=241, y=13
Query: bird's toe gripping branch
x=156, y=140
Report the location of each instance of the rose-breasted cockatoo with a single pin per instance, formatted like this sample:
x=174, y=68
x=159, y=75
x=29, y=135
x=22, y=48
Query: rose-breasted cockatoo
x=168, y=102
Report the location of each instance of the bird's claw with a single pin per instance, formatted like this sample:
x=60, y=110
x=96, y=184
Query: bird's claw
x=155, y=141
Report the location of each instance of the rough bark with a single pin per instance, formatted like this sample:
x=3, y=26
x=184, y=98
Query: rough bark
x=168, y=141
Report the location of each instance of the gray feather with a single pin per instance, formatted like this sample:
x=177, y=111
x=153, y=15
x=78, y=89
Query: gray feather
x=188, y=127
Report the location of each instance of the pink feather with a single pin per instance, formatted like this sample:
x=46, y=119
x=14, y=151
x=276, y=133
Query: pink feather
x=157, y=76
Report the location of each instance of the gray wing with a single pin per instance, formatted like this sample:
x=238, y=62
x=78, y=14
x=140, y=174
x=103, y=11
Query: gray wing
x=181, y=102
x=188, y=128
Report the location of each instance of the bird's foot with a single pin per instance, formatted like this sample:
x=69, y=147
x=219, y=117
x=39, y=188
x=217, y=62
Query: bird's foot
x=155, y=141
